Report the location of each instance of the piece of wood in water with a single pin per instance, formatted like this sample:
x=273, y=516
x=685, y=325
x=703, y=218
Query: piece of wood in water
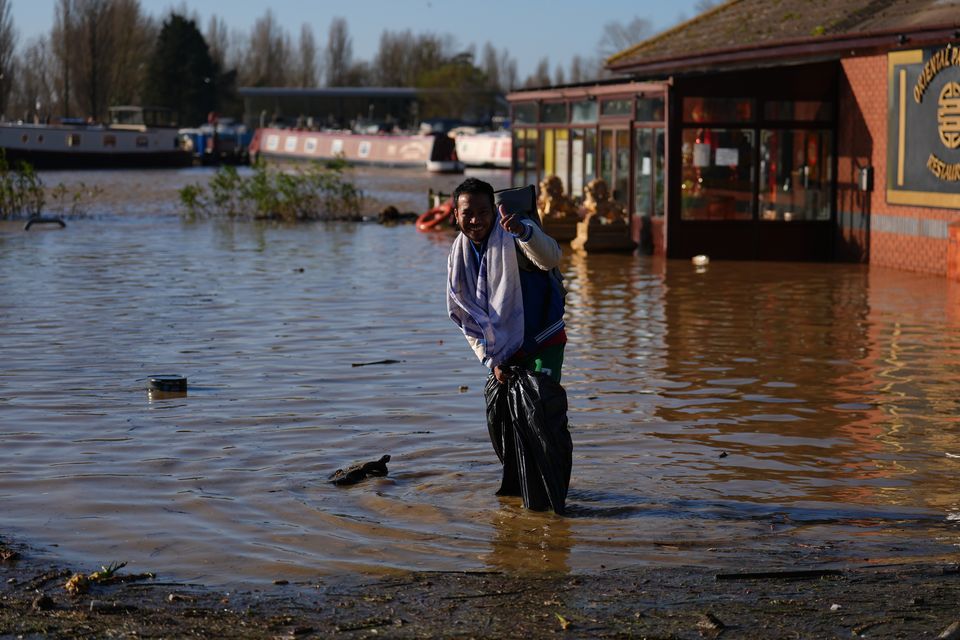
x=360, y=471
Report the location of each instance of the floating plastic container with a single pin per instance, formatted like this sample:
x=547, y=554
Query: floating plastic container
x=700, y=260
x=168, y=383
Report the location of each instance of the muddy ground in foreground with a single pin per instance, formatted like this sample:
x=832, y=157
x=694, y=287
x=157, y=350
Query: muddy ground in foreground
x=908, y=601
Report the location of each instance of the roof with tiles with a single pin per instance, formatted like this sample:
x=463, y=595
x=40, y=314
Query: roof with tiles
x=738, y=25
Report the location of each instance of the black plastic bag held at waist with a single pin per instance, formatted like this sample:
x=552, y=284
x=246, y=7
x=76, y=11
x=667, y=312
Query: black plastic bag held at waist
x=527, y=420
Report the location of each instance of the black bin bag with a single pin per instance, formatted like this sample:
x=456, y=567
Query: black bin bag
x=527, y=420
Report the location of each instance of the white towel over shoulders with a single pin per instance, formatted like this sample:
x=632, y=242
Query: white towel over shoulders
x=486, y=300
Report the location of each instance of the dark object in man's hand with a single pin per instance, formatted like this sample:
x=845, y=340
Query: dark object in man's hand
x=357, y=472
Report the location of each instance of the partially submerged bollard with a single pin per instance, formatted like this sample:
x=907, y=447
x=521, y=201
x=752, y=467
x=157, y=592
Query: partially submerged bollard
x=166, y=386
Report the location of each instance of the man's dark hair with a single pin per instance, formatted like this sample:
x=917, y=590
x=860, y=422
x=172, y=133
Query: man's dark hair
x=473, y=186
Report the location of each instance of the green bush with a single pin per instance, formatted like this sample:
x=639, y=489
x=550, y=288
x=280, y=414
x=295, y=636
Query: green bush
x=308, y=192
x=21, y=190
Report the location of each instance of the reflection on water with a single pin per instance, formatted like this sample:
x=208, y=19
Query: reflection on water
x=744, y=411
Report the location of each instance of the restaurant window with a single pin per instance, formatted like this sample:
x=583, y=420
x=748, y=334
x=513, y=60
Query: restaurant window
x=583, y=143
x=524, y=156
x=616, y=107
x=525, y=113
x=798, y=110
x=717, y=174
x=556, y=155
x=700, y=109
x=649, y=110
x=553, y=112
x=584, y=111
x=795, y=174
x=649, y=172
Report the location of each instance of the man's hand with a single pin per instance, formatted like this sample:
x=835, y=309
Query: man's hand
x=502, y=375
x=510, y=222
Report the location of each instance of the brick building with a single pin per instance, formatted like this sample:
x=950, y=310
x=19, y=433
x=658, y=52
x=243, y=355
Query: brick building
x=810, y=130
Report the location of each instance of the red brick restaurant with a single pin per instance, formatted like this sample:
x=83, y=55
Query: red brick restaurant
x=772, y=131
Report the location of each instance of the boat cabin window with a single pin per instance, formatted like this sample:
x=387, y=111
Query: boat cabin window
x=73, y=139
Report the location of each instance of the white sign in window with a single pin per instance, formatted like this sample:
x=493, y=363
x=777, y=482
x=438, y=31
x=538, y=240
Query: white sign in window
x=701, y=155
x=727, y=156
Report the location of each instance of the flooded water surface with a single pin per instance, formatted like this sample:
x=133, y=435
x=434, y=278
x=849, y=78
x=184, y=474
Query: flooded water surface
x=720, y=416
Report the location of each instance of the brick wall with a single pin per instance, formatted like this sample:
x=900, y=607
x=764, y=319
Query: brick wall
x=903, y=237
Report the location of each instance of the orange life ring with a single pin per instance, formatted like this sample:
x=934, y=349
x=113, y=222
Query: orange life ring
x=435, y=216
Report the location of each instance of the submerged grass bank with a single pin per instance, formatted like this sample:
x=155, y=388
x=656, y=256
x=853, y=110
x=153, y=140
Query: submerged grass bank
x=297, y=193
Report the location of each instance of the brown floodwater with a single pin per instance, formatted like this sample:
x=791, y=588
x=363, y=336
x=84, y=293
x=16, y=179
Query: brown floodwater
x=742, y=413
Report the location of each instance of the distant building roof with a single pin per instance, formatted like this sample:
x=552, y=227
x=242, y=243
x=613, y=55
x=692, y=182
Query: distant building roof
x=741, y=32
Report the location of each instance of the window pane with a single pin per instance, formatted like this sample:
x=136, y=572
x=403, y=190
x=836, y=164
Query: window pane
x=562, y=157
x=589, y=156
x=643, y=180
x=585, y=111
x=616, y=107
x=650, y=109
x=524, y=156
x=621, y=185
x=525, y=113
x=795, y=175
x=717, y=109
x=553, y=112
x=606, y=157
x=660, y=172
x=809, y=110
x=576, y=162
x=547, y=166
x=717, y=174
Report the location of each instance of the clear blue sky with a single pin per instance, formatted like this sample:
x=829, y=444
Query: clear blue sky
x=530, y=29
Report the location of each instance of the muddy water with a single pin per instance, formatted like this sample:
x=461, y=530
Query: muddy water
x=727, y=416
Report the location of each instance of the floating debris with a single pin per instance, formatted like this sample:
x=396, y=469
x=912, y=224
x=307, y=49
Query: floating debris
x=367, y=364
x=357, y=472
x=700, y=260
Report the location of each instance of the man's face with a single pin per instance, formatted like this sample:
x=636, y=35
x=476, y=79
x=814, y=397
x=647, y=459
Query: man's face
x=475, y=215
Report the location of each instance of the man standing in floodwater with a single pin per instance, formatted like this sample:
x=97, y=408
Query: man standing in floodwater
x=506, y=295
x=499, y=289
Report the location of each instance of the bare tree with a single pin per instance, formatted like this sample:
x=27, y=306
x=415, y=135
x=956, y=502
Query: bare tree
x=134, y=36
x=509, y=78
x=90, y=49
x=559, y=77
x=541, y=76
x=339, y=53
x=8, y=41
x=307, y=75
x=267, y=61
x=218, y=40
x=62, y=38
x=33, y=90
x=576, y=69
x=619, y=36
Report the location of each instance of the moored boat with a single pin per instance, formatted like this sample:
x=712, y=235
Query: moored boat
x=484, y=149
x=135, y=137
x=434, y=152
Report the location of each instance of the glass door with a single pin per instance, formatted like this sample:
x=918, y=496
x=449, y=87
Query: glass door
x=615, y=162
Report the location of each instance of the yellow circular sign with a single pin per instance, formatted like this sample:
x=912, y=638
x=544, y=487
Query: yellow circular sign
x=948, y=115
